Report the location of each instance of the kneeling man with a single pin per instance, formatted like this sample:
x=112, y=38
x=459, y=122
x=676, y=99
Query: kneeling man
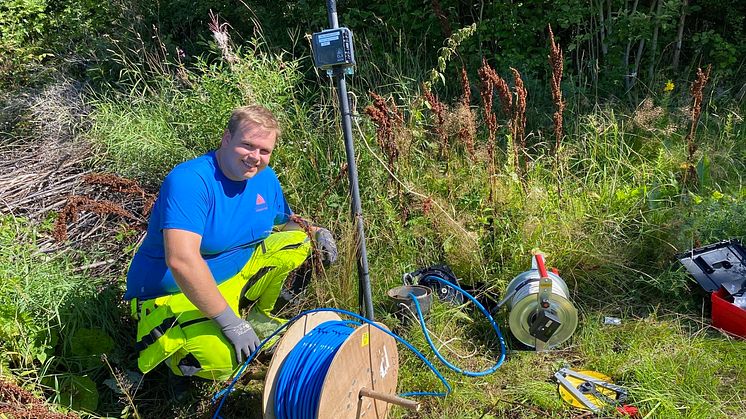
x=219, y=242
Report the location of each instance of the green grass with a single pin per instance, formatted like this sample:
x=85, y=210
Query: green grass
x=610, y=217
x=143, y=132
x=673, y=366
x=56, y=322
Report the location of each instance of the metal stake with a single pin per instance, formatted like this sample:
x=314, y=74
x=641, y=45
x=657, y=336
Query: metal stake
x=365, y=297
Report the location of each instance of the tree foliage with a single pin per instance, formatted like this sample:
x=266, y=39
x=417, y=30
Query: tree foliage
x=612, y=46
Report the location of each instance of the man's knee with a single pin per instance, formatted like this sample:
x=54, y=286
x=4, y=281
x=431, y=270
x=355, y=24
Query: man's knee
x=289, y=248
x=206, y=353
x=179, y=334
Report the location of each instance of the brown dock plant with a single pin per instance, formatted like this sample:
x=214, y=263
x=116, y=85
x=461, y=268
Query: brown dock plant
x=697, y=96
x=385, y=119
x=518, y=123
x=486, y=89
x=122, y=185
x=491, y=81
x=467, y=126
x=78, y=203
x=308, y=228
x=556, y=64
x=439, y=110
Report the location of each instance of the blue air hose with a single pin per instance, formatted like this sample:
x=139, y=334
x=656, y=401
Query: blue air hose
x=311, y=365
x=486, y=314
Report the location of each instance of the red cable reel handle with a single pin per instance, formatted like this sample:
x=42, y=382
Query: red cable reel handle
x=545, y=283
x=540, y=263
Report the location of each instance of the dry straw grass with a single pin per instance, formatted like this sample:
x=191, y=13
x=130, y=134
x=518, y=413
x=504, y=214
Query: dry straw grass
x=45, y=178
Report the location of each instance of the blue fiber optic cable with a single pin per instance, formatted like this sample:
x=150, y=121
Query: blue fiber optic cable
x=302, y=374
x=222, y=395
x=316, y=361
x=486, y=314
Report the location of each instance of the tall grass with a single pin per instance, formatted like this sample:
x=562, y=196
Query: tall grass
x=143, y=133
x=672, y=366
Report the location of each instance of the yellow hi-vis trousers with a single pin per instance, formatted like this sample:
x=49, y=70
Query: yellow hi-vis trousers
x=172, y=329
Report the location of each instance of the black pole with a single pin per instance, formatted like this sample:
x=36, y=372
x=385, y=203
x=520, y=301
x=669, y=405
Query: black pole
x=365, y=297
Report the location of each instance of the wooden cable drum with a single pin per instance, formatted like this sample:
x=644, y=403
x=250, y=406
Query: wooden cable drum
x=362, y=376
x=292, y=336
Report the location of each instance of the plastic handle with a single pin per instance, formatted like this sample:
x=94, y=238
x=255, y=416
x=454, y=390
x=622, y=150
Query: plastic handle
x=540, y=264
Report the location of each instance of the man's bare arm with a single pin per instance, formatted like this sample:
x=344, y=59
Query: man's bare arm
x=191, y=272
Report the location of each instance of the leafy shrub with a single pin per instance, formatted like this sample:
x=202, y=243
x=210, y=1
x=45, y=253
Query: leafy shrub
x=36, y=34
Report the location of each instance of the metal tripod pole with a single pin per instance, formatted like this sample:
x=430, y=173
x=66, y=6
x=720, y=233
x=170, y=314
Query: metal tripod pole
x=365, y=297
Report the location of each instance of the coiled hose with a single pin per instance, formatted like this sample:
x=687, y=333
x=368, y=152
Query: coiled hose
x=302, y=375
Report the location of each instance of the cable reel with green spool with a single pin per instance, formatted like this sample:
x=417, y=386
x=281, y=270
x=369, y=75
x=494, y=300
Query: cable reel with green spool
x=541, y=314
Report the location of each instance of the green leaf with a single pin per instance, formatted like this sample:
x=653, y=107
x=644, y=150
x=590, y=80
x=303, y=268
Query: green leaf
x=90, y=344
x=79, y=393
x=703, y=172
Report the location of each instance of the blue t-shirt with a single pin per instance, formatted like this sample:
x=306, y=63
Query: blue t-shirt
x=231, y=216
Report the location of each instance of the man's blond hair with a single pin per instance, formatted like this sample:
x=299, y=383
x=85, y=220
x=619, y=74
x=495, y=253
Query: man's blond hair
x=254, y=116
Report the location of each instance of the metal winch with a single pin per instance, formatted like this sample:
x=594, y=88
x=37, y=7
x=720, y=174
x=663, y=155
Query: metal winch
x=541, y=313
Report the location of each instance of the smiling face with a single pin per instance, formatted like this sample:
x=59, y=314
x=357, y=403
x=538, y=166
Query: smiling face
x=246, y=151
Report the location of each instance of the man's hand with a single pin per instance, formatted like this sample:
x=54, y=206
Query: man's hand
x=239, y=332
x=326, y=245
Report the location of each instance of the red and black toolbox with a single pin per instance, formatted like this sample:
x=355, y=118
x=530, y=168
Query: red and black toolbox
x=720, y=269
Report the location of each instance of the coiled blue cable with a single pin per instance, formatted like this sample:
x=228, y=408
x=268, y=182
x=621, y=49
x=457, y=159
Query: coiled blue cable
x=486, y=314
x=318, y=363
x=302, y=374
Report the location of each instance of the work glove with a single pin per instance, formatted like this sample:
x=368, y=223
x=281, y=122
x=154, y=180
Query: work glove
x=327, y=246
x=239, y=332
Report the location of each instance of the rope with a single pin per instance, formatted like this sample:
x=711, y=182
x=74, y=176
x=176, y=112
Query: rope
x=301, y=383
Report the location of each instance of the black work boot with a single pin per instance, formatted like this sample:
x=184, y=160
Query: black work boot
x=180, y=387
x=294, y=287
